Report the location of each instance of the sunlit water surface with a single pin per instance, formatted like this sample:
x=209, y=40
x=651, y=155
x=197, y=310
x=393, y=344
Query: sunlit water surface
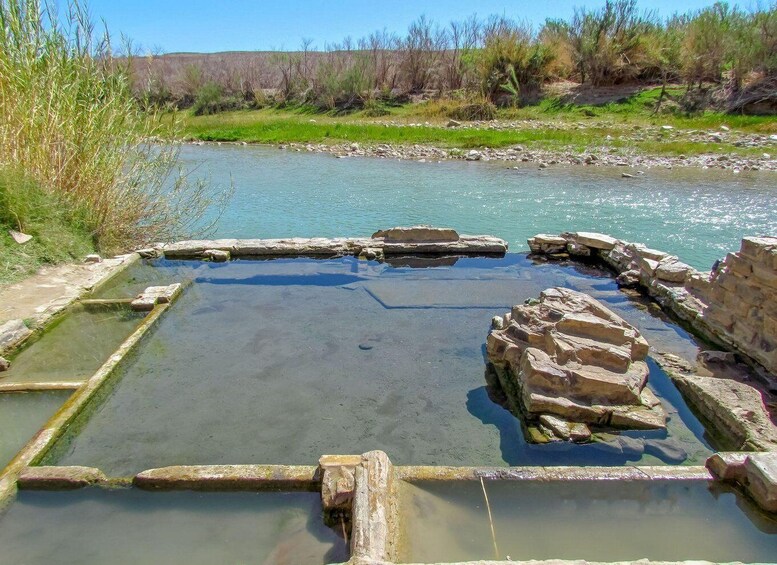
x=699, y=215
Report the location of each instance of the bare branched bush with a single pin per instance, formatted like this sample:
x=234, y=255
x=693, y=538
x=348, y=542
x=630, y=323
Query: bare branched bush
x=718, y=48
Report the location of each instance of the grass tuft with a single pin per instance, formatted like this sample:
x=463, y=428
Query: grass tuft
x=58, y=235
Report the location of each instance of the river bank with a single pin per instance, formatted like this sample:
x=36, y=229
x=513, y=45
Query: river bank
x=712, y=141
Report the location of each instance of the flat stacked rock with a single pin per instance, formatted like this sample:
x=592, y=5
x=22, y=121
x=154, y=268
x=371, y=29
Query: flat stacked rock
x=566, y=362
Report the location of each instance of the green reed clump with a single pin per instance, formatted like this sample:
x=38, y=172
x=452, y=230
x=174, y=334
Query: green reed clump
x=59, y=233
x=69, y=121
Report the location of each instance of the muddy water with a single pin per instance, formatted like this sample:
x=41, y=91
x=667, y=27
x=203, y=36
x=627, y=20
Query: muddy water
x=282, y=361
x=95, y=527
x=596, y=521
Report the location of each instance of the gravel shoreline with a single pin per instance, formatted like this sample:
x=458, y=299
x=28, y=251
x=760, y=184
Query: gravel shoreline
x=599, y=156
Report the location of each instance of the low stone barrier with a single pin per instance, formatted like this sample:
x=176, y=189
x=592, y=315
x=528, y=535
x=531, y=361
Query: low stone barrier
x=734, y=305
x=414, y=240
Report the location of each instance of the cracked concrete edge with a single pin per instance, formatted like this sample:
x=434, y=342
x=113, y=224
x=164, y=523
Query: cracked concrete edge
x=558, y=473
x=230, y=477
x=52, y=430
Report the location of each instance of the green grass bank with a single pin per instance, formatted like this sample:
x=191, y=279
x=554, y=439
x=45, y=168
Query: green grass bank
x=628, y=124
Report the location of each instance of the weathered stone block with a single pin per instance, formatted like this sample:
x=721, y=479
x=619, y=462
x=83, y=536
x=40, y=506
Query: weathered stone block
x=578, y=250
x=728, y=465
x=59, y=478
x=547, y=244
x=417, y=234
x=735, y=409
x=648, y=266
x=216, y=255
x=761, y=471
x=13, y=332
x=738, y=265
x=758, y=248
x=619, y=257
x=647, y=253
x=672, y=271
x=154, y=295
x=595, y=240
x=765, y=276
x=751, y=293
x=568, y=431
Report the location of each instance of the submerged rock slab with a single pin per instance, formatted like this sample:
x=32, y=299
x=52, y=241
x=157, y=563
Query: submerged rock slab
x=735, y=409
x=154, y=295
x=569, y=357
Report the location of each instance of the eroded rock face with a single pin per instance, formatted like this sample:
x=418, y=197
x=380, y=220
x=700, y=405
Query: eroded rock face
x=569, y=357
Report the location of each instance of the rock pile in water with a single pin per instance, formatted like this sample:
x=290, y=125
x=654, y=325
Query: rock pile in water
x=566, y=362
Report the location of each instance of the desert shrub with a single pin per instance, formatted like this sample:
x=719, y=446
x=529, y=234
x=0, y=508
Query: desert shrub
x=69, y=122
x=465, y=108
x=212, y=99
x=512, y=64
x=612, y=45
x=342, y=82
x=704, y=48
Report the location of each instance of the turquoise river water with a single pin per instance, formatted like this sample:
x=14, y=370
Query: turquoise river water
x=698, y=215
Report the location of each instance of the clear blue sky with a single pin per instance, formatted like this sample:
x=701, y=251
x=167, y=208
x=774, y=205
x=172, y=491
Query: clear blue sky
x=213, y=25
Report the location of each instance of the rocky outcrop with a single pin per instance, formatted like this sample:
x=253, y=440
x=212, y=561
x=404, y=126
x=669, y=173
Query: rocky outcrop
x=12, y=333
x=734, y=306
x=419, y=240
x=568, y=362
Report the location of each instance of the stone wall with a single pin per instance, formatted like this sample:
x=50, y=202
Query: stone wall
x=734, y=306
x=742, y=300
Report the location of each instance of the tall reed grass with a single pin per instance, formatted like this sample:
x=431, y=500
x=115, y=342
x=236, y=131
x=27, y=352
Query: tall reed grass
x=69, y=121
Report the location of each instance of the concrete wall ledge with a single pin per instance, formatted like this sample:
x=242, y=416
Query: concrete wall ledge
x=334, y=247
x=560, y=473
x=230, y=477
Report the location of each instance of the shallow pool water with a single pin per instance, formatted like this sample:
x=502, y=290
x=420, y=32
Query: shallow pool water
x=699, y=215
x=596, y=521
x=22, y=415
x=75, y=347
x=282, y=361
x=129, y=526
